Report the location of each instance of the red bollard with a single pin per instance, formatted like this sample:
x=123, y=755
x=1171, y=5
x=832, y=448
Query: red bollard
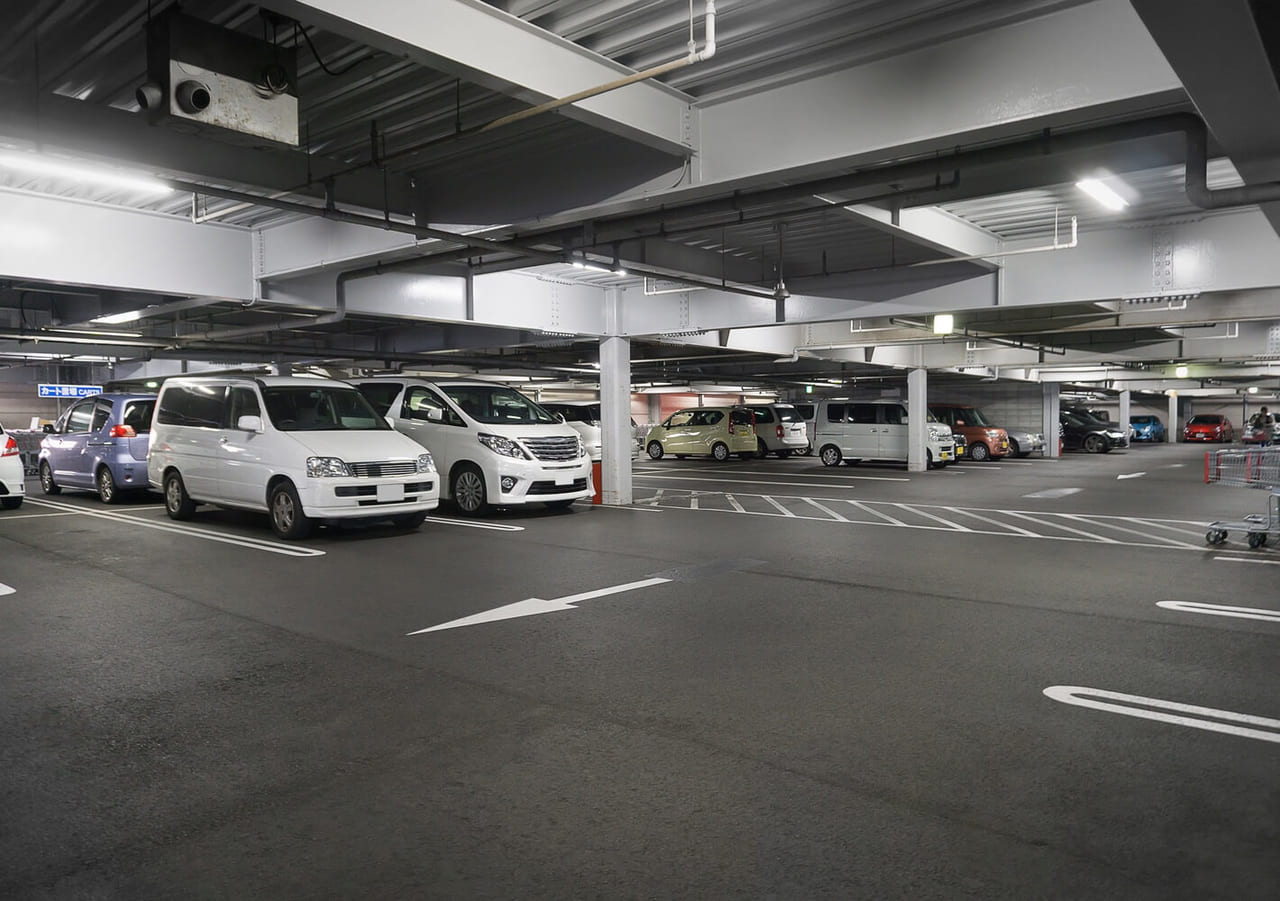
x=598, y=497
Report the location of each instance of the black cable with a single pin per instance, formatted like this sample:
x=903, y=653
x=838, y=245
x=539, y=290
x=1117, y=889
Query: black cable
x=321, y=63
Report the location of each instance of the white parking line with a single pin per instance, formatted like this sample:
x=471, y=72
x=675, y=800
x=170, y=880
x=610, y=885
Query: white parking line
x=493, y=526
x=1207, y=718
x=1248, y=560
x=733, y=502
x=885, y=516
x=827, y=473
x=765, y=482
x=1092, y=535
x=10, y=516
x=945, y=522
x=1107, y=525
x=257, y=544
x=827, y=510
x=994, y=522
x=785, y=511
x=1270, y=616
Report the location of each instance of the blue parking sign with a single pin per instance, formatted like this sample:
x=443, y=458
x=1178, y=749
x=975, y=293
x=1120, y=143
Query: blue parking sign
x=71, y=391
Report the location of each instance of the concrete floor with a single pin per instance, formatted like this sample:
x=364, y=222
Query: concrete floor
x=839, y=692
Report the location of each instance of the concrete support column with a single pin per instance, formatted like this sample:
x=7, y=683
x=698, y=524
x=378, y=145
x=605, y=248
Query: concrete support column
x=1171, y=432
x=615, y=409
x=1124, y=411
x=1049, y=421
x=655, y=409
x=918, y=419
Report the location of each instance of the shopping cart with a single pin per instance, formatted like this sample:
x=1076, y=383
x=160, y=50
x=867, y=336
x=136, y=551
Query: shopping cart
x=1251, y=468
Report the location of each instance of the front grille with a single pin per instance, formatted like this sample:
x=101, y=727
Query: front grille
x=554, y=448
x=382, y=470
x=538, y=488
x=372, y=490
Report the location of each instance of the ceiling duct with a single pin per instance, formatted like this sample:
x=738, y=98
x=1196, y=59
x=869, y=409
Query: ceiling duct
x=201, y=75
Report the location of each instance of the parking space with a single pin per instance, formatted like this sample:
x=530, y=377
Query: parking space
x=789, y=671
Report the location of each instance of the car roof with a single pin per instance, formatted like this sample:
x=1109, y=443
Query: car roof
x=268, y=381
x=445, y=382
x=116, y=395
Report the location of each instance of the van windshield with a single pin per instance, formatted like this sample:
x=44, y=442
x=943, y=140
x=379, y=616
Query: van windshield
x=320, y=408
x=497, y=405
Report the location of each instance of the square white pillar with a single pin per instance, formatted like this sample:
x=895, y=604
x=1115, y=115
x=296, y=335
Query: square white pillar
x=917, y=419
x=1124, y=411
x=615, y=420
x=1171, y=432
x=1049, y=419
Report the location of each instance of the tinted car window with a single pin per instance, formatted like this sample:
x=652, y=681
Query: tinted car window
x=787, y=414
x=740, y=417
x=381, y=395
x=1205, y=419
x=192, y=405
x=894, y=414
x=242, y=402
x=862, y=413
x=835, y=412
x=137, y=415
x=496, y=404
x=805, y=410
x=101, y=413
x=419, y=401
x=763, y=415
x=570, y=412
x=707, y=417
x=80, y=417
x=320, y=408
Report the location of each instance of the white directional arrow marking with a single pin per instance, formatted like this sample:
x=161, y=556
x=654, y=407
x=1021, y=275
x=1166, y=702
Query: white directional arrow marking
x=5, y=589
x=1211, y=719
x=1272, y=616
x=1132, y=475
x=535, y=606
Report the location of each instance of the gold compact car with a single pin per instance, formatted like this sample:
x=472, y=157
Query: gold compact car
x=718, y=431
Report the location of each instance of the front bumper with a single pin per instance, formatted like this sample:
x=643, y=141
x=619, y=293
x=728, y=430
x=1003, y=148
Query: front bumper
x=517, y=482
x=353, y=498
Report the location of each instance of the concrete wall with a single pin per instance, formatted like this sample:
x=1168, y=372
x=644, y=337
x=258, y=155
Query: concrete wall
x=18, y=394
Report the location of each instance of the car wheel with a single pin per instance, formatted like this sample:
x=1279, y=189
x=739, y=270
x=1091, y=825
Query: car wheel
x=10, y=503
x=654, y=450
x=762, y=449
x=1092, y=444
x=1014, y=450
x=830, y=455
x=468, y=490
x=409, y=521
x=928, y=459
x=720, y=451
x=783, y=454
x=562, y=504
x=979, y=453
x=287, y=519
x=177, y=503
x=47, y=484
x=107, y=486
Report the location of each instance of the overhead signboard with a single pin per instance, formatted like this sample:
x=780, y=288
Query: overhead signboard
x=69, y=390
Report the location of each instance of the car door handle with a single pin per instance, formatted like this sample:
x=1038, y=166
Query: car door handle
x=222, y=440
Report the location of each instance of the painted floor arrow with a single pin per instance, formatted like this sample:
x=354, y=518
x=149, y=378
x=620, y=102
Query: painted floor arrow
x=1131, y=475
x=535, y=606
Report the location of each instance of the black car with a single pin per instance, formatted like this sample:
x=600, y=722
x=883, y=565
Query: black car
x=1080, y=431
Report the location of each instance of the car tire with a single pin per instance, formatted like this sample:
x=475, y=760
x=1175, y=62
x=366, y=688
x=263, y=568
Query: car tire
x=762, y=449
x=177, y=503
x=468, y=490
x=285, y=509
x=407, y=522
x=47, y=484
x=562, y=504
x=928, y=459
x=784, y=453
x=720, y=452
x=830, y=455
x=106, y=482
x=979, y=453
x=10, y=503
x=1092, y=444
x=1014, y=450
x=654, y=450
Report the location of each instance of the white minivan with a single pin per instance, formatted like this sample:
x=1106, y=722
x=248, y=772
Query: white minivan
x=299, y=449
x=493, y=445
x=874, y=430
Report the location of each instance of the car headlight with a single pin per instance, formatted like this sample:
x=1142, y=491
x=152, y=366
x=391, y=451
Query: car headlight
x=582, y=447
x=935, y=434
x=426, y=463
x=326, y=468
x=505, y=446
x=992, y=433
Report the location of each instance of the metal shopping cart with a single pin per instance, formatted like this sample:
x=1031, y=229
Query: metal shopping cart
x=1250, y=468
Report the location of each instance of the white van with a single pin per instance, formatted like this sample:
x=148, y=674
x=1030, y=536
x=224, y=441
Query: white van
x=874, y=430
x=584, y=418
x=298, y=449
x=494, y=446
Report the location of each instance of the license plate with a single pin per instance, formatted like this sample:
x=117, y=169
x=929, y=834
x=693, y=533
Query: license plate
x=564, y=480
x=946, y=456
x=390, y=493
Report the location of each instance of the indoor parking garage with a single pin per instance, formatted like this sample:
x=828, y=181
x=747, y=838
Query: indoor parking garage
x=564, y=449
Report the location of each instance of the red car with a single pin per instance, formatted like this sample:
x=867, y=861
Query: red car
x=1209, y=427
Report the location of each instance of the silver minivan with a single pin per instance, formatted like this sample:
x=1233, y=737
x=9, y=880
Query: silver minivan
x=852, y=431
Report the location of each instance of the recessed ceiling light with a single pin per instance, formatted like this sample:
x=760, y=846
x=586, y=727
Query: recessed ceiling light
x=1103, y=193
x=104, y=176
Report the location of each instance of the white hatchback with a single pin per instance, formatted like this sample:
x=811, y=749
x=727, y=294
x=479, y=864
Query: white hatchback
x=12, y=487
x=299, y=449
x=494, y=446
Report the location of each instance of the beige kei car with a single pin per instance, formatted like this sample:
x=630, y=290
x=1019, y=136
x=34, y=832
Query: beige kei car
x=717, y=431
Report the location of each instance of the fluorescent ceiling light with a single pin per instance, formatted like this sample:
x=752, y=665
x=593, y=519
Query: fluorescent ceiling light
x=1103, y=193
x=579, y=264
x=1253, y=389
x=37, y=164
x=1181, y=372
x=93, y=332
x=119, y=318
x=944, y=324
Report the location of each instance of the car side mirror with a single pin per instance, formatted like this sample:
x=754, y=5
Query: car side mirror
x=559, y=417
x=47, y=428
x=389, y=421
x=435, y=414
x=249, y=423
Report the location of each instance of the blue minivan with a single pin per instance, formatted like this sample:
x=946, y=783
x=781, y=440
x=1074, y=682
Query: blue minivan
x=99, y=443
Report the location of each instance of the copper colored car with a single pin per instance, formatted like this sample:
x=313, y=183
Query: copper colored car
x=985, y=441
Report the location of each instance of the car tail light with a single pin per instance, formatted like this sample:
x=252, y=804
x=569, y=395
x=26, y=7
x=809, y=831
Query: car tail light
x=779, y=431
x=731, y=425
x=10, y=448
x=123, y=431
